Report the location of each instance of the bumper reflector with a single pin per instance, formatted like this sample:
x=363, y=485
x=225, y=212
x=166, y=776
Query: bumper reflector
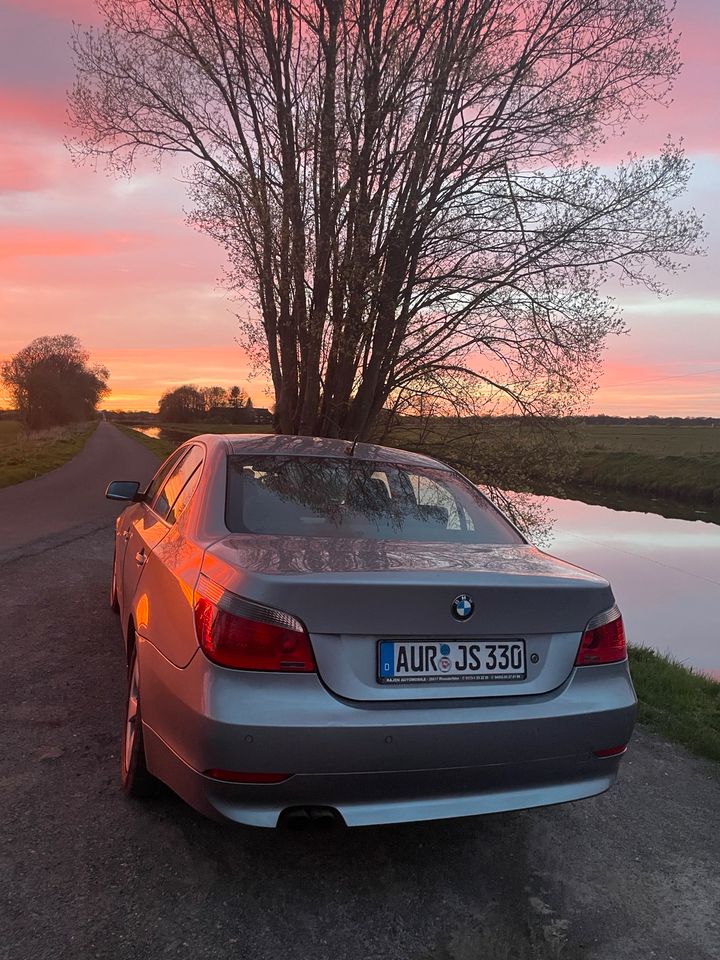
x=610, y=751
x=234, y=776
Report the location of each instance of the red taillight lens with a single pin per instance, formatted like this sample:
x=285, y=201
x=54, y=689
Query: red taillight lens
x=603, y=640
x=238, y=633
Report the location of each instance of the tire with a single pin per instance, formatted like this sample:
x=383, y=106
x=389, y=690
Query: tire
x=114, y=602
x=135, y=777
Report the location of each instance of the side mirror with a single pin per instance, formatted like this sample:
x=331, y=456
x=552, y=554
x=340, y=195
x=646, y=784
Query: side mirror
x=124, y=490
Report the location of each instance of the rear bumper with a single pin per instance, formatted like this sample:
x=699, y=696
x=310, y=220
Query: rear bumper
x=376, y=762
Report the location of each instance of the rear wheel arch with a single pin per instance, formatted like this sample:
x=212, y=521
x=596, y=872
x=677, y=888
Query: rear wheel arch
x=130, y=641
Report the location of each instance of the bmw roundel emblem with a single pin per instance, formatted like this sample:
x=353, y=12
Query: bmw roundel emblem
x=462, y=607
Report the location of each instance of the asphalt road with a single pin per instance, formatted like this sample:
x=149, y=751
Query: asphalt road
x=68, y=502
x=86, y=873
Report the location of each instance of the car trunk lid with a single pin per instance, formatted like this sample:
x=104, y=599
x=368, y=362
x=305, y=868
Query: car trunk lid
x=352, y=594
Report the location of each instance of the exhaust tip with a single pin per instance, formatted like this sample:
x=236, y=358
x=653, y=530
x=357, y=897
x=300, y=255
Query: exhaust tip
x=303, y=819
x=323, y=818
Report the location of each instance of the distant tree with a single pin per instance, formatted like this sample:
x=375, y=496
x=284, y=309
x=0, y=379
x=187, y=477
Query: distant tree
x=214, y=397
x=184, y=404
x=238, y=397
x=249, y=404
x=51, y=383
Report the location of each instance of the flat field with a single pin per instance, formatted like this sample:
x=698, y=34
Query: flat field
x=664, y=459
x=657, y=440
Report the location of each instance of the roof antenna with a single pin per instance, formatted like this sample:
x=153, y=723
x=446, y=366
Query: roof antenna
x=351, y=449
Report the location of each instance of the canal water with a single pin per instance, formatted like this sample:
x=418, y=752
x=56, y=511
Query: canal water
x=162, y=433
x=665, y=571
x=665, y=574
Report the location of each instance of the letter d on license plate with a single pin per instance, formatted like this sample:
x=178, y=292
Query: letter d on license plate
x=407, y=661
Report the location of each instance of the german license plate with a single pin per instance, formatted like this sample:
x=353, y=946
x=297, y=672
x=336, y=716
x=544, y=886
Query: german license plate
x=407, y=661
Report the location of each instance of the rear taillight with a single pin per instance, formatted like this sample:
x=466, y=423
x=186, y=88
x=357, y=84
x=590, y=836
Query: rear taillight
x=603, y=640
x=244, y=635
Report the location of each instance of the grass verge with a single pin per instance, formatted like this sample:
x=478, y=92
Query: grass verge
x=677, y=702
x=694, y=479
x=24, y=456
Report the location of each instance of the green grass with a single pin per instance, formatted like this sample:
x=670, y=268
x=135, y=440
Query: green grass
x=24, y=456
x=677, y=702
x=692, y=478
x=656, y=440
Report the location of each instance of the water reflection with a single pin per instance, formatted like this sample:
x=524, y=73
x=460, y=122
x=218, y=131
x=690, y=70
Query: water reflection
x=665, y=574
x=163, y=433
x=640, y=503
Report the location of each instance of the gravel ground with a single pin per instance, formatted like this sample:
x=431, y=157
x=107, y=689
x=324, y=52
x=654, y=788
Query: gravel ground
x=84, y=872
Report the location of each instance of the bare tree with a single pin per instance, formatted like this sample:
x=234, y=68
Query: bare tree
x=401, y=187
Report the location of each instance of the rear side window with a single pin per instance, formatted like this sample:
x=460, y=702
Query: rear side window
x=179, y=486
x=363, y=499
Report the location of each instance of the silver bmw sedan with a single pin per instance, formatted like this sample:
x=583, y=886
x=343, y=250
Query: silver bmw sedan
x=321, y=631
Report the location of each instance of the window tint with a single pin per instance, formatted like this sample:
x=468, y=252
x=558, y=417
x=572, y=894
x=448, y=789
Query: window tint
x=159, y=478
x=179, y=486
x=328, y=497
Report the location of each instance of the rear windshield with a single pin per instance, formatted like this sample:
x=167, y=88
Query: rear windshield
x=364, y=499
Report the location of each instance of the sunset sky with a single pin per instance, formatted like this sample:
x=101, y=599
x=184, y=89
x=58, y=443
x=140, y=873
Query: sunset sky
x=113, y=262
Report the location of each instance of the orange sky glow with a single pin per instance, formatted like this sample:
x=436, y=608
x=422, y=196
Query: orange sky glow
x=113, y=262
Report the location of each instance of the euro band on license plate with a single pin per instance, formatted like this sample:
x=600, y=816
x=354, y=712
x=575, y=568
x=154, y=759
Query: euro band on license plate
x=405, y=661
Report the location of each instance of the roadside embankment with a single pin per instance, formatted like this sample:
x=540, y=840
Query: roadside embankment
x=693, y=479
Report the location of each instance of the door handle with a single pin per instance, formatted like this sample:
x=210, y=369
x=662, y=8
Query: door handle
x=140, y=557
x=126, y=535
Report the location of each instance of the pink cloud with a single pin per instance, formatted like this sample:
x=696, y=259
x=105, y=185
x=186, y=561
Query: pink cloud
x=683, y=388
x=22, y=109
x=60, y=9
x=22, y=169
x=27, y=242
x=692, y=113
